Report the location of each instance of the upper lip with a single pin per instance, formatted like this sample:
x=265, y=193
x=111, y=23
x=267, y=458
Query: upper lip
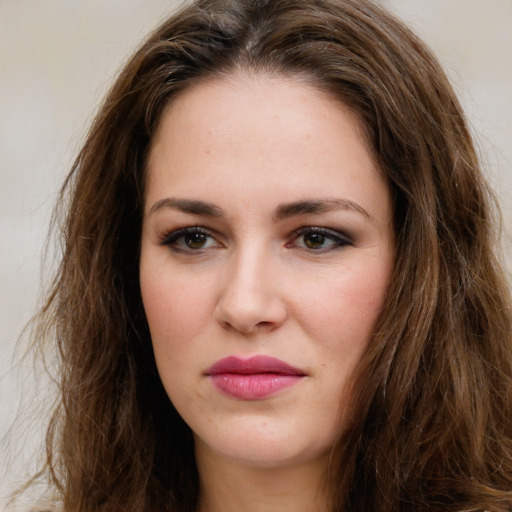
x=252, y=366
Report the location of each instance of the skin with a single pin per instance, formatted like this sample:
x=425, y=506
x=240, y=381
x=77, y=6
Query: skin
x=260, y=278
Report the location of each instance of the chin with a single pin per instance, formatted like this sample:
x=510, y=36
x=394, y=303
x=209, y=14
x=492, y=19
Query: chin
x=264, y=448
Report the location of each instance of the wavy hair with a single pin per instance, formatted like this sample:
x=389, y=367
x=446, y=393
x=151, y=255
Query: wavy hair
x=431, y=427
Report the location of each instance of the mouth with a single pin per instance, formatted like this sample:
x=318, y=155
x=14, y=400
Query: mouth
x=255, y=378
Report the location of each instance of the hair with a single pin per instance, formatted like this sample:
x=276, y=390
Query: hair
x=431, y=420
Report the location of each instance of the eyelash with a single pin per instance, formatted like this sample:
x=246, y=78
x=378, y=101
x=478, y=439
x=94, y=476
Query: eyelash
x=338, y=240
x=172, y=238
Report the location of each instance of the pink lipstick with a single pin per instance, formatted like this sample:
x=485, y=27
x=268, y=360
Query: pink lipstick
x=255, y=378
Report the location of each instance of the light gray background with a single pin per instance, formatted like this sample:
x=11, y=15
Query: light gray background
x=57, y=58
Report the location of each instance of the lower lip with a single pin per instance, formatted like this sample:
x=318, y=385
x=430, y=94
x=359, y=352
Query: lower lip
x=254, y=386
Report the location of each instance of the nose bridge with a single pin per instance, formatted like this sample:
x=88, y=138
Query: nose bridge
x=250, y=297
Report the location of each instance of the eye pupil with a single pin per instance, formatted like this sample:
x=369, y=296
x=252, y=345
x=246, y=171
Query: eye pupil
x=314, y=240
x=195, y=240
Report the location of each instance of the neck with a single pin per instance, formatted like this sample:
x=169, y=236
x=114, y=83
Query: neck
x=228, y=486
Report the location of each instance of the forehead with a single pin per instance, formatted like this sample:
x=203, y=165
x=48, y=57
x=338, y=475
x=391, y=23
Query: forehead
x=283, y=107
x=264, y=133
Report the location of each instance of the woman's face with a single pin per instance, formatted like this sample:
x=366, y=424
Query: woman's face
x=267, y=249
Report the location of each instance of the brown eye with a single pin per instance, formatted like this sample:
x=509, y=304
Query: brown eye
x=189, y=240
x=314, y=240
x=195, y=240
x=319, y=239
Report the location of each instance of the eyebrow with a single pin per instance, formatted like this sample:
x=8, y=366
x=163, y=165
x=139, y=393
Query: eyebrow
x=283, y=211
x=286, y=210
x=192, y=206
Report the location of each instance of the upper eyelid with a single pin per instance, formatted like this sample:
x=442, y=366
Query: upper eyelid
x=175, y=234
x=335, y=233
x=322, y=229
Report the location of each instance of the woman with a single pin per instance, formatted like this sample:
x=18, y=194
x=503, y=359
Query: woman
x=279, y=289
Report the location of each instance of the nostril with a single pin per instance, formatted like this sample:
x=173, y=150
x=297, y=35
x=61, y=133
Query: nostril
x=263, y=324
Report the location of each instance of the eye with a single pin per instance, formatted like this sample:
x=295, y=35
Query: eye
x=190, y=239
x=318, y=239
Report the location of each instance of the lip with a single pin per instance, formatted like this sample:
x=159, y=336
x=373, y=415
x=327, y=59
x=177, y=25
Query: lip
x=255, y=378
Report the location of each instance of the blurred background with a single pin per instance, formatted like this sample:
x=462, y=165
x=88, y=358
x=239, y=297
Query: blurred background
x=57, y=59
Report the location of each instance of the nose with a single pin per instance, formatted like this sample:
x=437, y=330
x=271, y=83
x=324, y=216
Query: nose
x=250, y=300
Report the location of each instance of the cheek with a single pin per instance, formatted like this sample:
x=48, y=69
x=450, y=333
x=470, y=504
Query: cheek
x=176, y=311
x=346, y=307
x=176, y=315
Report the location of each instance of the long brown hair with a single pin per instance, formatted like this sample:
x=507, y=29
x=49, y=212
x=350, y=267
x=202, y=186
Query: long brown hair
x=431, y=425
